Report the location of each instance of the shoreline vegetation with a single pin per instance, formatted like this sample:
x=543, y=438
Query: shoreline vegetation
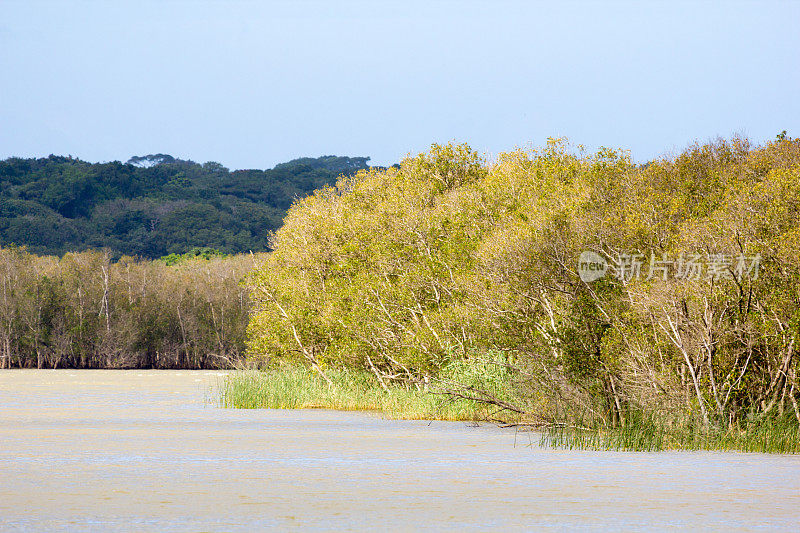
x=449, y=287
x=299, y=387
x=687, y=338
x=85, y=310
x=473, y=392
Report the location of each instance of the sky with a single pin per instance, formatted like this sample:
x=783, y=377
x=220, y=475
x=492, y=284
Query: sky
x=253, y=84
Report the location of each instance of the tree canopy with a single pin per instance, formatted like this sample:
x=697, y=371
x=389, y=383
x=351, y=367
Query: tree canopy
x=451, y=257
x=153, y=205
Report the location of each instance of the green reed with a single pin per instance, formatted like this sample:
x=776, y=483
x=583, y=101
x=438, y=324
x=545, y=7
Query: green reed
x=650, y=434
x=350, y=390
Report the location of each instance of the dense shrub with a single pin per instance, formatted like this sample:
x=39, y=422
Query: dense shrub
x=406, y=271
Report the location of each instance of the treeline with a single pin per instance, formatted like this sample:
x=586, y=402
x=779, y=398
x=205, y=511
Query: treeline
x=152, y=205
x=85, y=310
x=404, y=272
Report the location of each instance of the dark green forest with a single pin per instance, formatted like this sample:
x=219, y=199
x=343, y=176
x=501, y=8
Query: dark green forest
x=152, y=205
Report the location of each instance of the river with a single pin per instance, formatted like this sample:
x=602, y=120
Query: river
x=149, y=451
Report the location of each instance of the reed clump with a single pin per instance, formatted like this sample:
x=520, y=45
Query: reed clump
x=350, y=390
x=642, y=433
x=298, y=387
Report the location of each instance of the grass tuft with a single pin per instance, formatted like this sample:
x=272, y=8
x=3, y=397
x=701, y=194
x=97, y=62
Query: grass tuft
x=648, y=434
x=302, y=388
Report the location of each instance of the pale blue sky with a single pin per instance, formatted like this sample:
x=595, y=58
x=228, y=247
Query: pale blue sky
x=252, y=84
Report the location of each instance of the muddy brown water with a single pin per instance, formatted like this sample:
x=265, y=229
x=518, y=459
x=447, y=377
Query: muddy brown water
x=149, y=451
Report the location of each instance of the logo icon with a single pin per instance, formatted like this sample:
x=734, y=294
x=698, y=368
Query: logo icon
x=591, y=266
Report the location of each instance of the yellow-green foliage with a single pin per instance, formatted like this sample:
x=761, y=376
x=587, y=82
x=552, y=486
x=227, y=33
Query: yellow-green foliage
x=405, y=272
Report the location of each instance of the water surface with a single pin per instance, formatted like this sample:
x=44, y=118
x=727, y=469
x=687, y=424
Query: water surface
x=148, y=450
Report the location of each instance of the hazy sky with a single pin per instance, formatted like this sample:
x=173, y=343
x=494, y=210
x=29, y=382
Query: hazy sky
x=252, y=84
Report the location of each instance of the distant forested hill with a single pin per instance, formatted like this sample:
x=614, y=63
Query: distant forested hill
x=152, y=205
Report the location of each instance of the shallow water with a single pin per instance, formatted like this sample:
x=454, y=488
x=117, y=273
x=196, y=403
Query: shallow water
x=147, y=450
